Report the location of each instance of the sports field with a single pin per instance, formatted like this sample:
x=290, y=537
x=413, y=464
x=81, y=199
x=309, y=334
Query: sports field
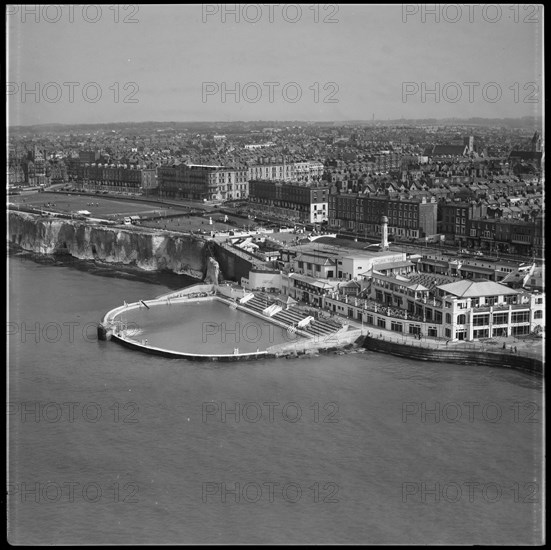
x=99, y=207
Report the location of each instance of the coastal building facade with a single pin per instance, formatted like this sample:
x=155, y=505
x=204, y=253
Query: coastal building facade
x=409, y=218
x=111, y=177
x=202, y=182
x=460, y=310
x=308, y=171
x=297, y=202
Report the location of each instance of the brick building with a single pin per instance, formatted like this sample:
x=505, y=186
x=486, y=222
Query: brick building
x=408, y=218
x=202, y=182
x=297, y=202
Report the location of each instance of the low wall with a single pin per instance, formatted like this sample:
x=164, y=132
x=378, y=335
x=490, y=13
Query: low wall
x=464, y=357
x=317, y=343
x=184, y=292
x=107, y=329
x=230, y=292
x=189, y=356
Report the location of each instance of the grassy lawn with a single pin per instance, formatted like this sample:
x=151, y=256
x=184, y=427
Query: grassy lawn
x=98, y=206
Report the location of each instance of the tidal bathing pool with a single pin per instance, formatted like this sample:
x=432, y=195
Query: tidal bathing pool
x=203, y=327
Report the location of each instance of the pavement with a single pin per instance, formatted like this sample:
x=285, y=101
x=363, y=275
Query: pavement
x=527, y=346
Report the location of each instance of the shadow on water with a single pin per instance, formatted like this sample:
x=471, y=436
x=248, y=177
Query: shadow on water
x=166, y=278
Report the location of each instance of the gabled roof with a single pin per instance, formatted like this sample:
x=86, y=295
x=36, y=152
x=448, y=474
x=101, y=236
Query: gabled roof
x=417, y=286
x=526, y=155
x=350, y=284
x=453, y=150
x=319, y=283
x=393, y=265
x=466, y=289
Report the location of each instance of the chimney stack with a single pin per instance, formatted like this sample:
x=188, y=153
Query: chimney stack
x=384, y=233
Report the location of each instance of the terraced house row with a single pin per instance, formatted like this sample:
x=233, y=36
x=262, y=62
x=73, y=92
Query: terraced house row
x=361, y=213
x=112, y=177
x=202, y=182
x=213, y=182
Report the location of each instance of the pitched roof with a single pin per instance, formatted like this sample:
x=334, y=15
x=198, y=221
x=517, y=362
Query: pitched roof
x=467, y=288
x=417, y=286
x=526, y=155
x=394, y=265
x=455, y=150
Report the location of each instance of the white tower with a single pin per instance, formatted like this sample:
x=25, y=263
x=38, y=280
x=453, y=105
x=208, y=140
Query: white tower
x=384, y=233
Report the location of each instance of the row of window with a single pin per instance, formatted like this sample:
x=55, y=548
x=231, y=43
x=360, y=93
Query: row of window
x=499, y=331
x=500, y=318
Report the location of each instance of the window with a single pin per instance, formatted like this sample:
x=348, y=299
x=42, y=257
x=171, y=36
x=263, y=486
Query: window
x=433, y=332
x=448, y=318
x=481, y=333
x=448, y=333
x=481, y=320
x=538, y=314
x=381, y=322
x=396, y=327
x=520, y=317
x=500, y=319
x=517, y=331
x=461, y=319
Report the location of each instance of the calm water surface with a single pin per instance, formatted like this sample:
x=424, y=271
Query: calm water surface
x=203, y=327
x=111, y=446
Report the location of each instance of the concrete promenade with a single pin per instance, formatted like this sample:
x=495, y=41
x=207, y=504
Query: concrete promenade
x=528, y=346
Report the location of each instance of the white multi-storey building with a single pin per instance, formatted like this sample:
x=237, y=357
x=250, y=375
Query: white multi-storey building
x=303, y=172
x=460, y=310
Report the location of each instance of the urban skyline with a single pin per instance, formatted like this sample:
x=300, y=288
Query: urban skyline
x=276, y=274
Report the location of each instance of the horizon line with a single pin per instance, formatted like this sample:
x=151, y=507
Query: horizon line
x=348, y=121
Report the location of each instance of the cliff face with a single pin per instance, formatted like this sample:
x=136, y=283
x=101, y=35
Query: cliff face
x=182, y=255
x=213, y=272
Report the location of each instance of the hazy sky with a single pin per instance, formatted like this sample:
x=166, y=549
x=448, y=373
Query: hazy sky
x=288, y=62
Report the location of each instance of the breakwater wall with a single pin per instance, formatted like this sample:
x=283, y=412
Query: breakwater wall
x=189, y=356
x=465, y=357
x=112, y=329
x=139, y=247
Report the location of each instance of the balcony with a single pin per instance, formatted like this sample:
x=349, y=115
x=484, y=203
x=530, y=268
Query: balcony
x=387, y=311
x=499, y=307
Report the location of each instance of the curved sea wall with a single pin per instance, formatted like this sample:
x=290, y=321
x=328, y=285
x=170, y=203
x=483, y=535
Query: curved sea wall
x=85, y=240
x=113, y=327
x=464, y=357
